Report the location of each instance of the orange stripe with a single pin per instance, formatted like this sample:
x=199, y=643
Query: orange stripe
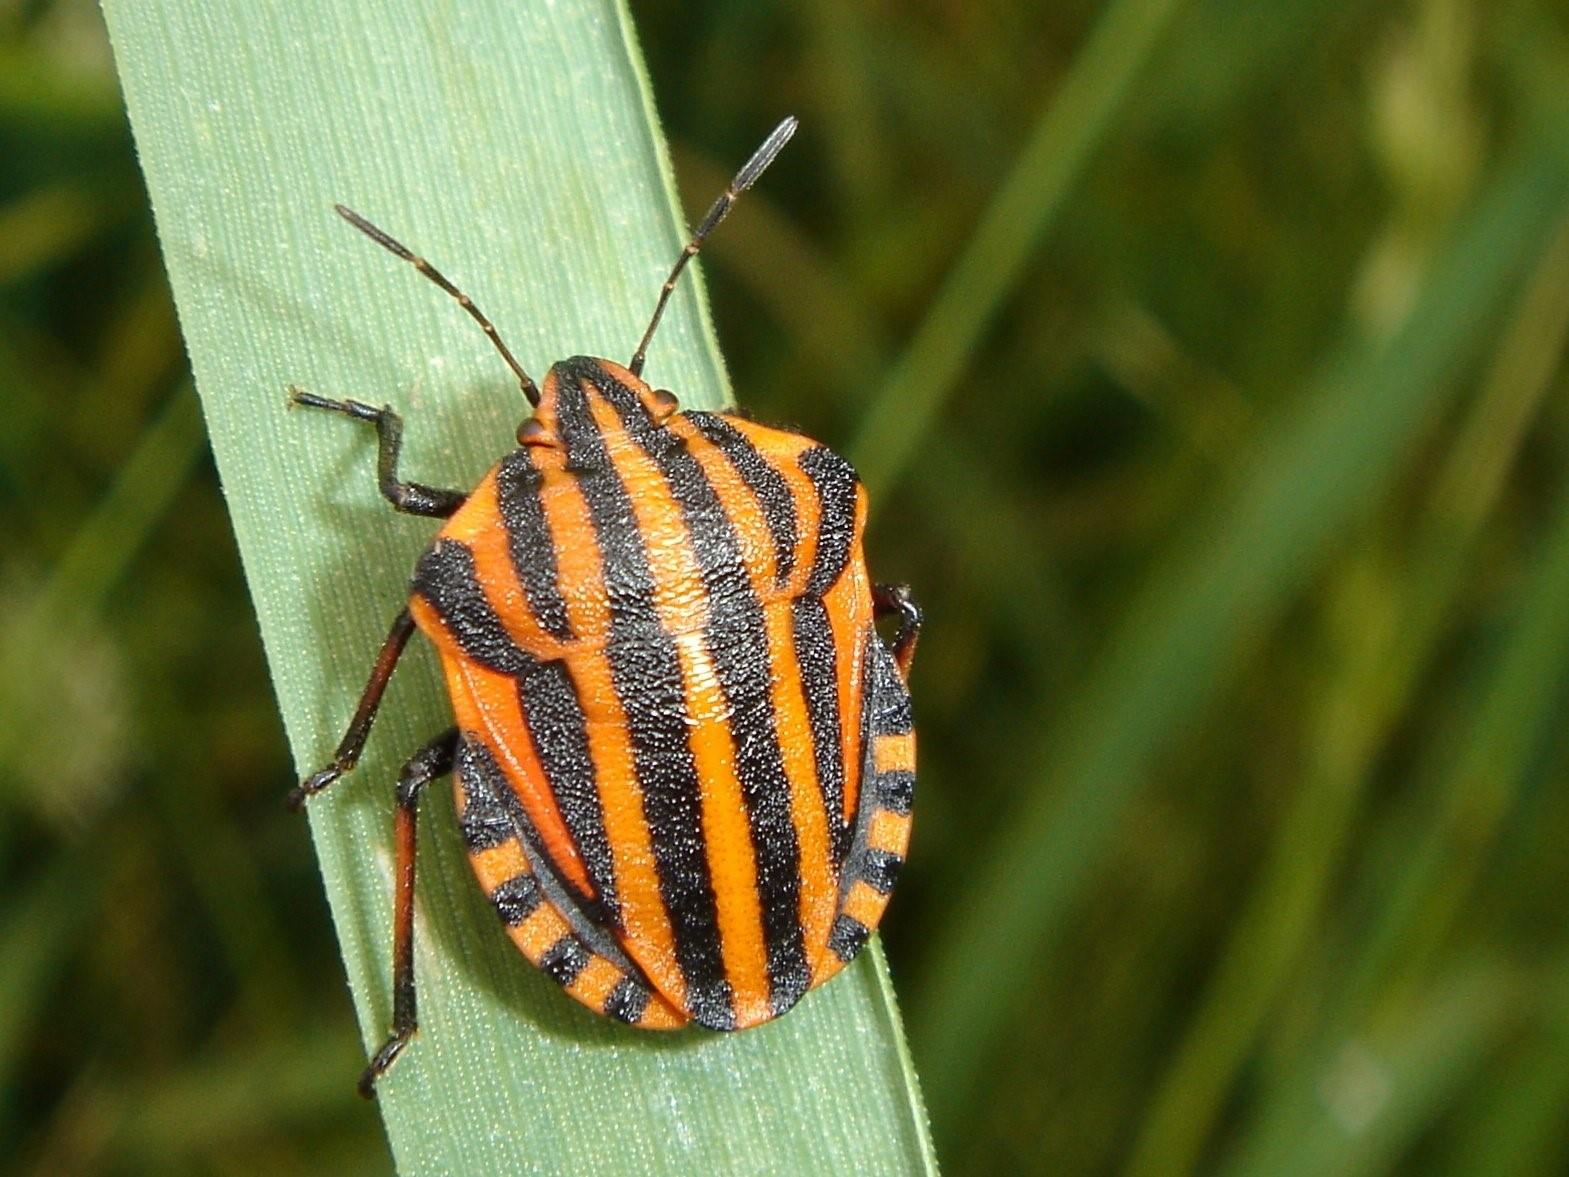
x=819, y=880
x=683, y=611
x=848, y=603
x=484, y=701
x=865, y=904
x=746, y=514
x=497, y=864
x=848, y=621
x=732, y=864
x=539, y=932
x=782, y=450
x=819, y=883
x=661, y=1015
x=889, y=831
x=595, y=983
x=646, y=925
x=479, y=527
x=894, y=753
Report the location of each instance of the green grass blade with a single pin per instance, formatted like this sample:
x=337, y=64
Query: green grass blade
x=1389, y=632
x=513, y=144
x=1372, y=1098
x=1512, y=716
x=1480, y=779
x=1309, y=479
x=43, y=922
x=1074, y=122
x=1517, y=1125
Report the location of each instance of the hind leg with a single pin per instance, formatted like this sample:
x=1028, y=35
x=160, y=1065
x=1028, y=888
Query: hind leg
x=430, y=763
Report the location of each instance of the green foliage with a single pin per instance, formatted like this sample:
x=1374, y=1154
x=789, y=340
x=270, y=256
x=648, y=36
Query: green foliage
x=1206, y=364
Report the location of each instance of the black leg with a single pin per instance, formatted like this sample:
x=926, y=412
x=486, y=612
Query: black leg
x=353, y=742
x=896, y=598
x=412, y=498
x=430, y=763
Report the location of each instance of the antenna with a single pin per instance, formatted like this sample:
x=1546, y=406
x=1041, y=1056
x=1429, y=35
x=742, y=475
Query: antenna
x=530, y=390
x=744, y=179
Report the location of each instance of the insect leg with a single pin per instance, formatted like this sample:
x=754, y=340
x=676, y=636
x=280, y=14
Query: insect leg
x=896, y=598
x=353, y=742
x=430, y=763
x=412, y=498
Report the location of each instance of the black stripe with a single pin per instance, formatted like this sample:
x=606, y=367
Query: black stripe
x=554, y=712
x=886, y=692
x=446, y=578
x=835, y=481
x=484, y=830
x=487, y=789
x=847, y=937
x=646, y=673
x=880, y=869
x=818, y=660
x=485, y=823
x=765, y=483
x=627, y=1001
x=737, y=640
x=564, y=960
x=895, y=791
x=517, y=899
x=894, y=717
x=529, y=541
x=888, y=706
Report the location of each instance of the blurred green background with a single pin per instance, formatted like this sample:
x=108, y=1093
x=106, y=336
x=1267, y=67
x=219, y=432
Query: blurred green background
x=1205, y=361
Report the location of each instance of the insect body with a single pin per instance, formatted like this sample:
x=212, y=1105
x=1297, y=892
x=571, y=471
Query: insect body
x=683, y=755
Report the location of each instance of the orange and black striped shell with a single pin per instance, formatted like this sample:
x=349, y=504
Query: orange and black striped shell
x=686, y=760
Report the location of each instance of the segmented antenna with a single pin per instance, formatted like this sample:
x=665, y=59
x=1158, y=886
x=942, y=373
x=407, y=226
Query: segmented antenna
x=530, y=390
x=744, y=179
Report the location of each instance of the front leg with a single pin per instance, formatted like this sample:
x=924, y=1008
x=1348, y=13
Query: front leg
x=412, y=498
x=896, y=598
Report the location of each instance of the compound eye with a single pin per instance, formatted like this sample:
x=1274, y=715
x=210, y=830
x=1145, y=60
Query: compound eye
x=664, y=402
x=531, y=432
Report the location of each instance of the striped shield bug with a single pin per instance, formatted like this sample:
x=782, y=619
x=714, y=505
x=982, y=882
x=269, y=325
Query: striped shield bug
x=683, y=754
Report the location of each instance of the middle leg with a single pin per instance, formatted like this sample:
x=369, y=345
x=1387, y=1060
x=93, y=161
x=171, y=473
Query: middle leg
x=353, y=742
